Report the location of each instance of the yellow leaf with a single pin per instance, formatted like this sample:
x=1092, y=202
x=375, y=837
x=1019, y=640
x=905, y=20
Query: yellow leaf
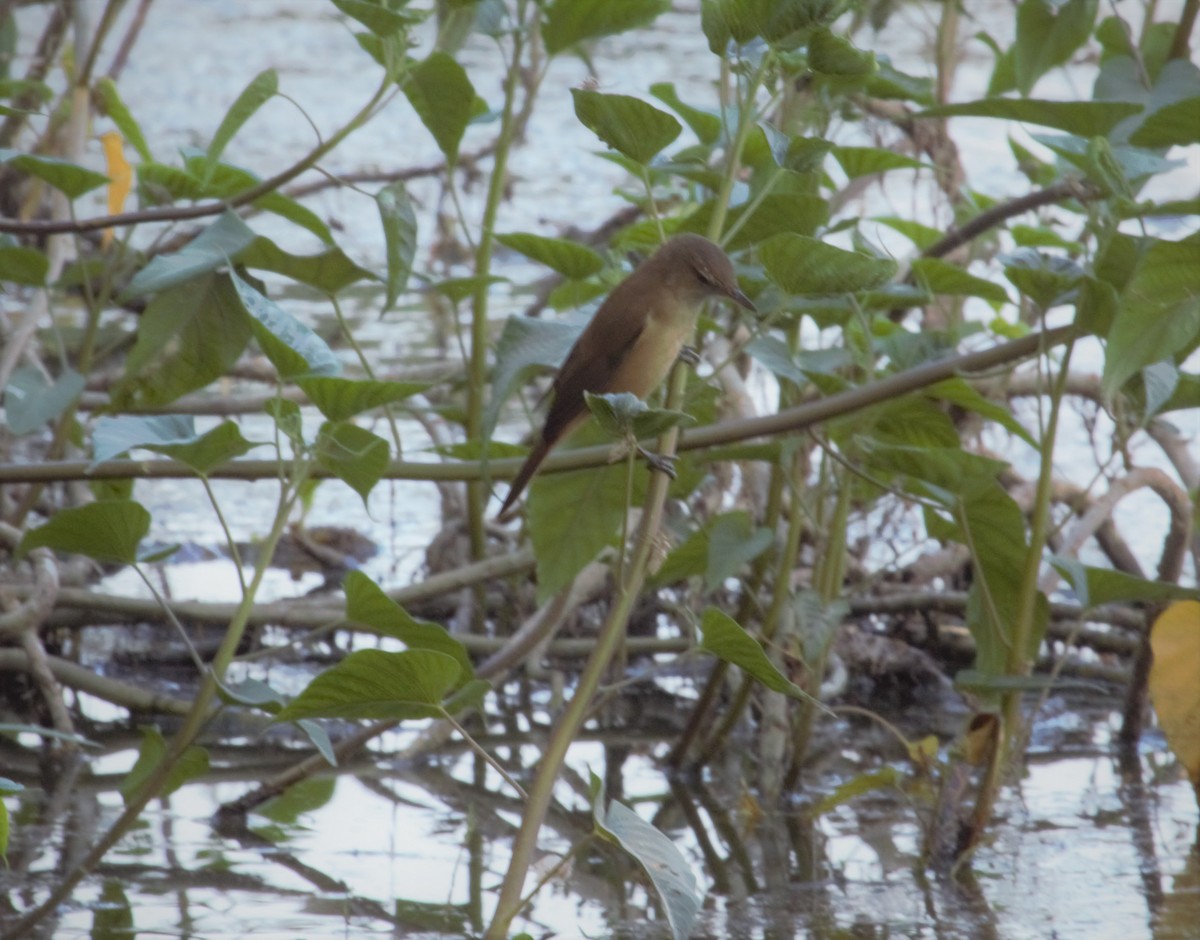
x=121, y=175
x=1175, y=681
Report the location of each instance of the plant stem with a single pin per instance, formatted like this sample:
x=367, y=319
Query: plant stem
x=478, y=365
x=572, y=719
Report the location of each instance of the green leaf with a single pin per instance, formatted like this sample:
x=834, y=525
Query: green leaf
x=217, y=246
x=724, y=638
x=624, y=415
x=704, y=124
x=174, y=438
x=69, y=178
x=1159, y=311
x=628, y=125
x=669, y=871
x=399, y=223
x=942, y=277
x=569, y=259
x=339, y=399
x=524, y=344
x=802, y=265
x=733, y=541
x=381, y=20
x=754, y=222
x=1082, y=118
x=1044, y=278
x=374, y=685
x=776, y=21
x=22, y=265
x=294, y=349
x=1098, y=586
x=958, y=392
x=867, y=161
x=356, y=456
x=569, y=22
x=368, y=606
x=329, y=272
x=305, y=796
x=115, y=435
x=262, y=88
x=1173, y=125
x=193, y=763
x=112, y=105
x=106, y=530
x=829, y=54
x=188, y=336
x=572, y=518
x=1048, y=33
x=30, y=402
x=442, y=95
x=923, y=236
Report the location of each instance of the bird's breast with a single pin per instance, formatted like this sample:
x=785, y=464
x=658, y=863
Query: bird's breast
x=654, y=352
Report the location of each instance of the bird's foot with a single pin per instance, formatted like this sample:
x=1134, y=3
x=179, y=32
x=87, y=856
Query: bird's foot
x=689, y=355
x=659, y=462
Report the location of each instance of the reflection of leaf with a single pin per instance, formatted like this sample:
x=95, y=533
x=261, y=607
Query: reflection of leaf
x=1175, y=682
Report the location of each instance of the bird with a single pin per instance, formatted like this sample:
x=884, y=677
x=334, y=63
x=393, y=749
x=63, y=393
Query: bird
x=634, y=338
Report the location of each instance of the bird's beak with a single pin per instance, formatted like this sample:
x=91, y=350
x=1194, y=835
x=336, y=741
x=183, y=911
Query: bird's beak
x=741, y=299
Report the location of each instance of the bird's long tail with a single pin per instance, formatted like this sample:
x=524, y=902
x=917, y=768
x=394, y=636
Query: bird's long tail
x=536, y=456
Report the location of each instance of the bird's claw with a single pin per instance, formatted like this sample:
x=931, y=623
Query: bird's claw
x=689, y=355
x=659, y=462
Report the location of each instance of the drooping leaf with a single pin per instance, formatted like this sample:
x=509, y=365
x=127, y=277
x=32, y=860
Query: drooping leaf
x=942, y=277
x=865, y=161
x=217, y=246
x=400, y=238
x=1097, y=586
x=116, y=435
x=354, y=455
x=294, y=349
x=704, y=124
x=803, y=265
x=724, y=638
x=153, y=752
x=1048, y=34
x=628, y=125
x=20, y=264
x=442, y=95
x=106, y=530
x=188, y=336
x=569, y=22
x=831, y=54
x=624, y=415
x=669, y=871
x=1159, y=311
x=525, y=344
x=569, y=259
x=372, y=684
x=69, y=178
x=368, y=606
x=733, y=541
x=572, y=518
x=30, y=402
x=329, y=272
x=381, y=19
x=339, y=399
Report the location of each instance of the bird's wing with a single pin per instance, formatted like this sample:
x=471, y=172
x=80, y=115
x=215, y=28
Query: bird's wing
x=594, y=360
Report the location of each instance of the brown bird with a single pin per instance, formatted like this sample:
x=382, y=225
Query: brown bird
x=634, y=338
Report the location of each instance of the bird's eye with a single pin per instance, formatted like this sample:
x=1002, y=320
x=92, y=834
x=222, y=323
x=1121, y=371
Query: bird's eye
x=704, y=276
